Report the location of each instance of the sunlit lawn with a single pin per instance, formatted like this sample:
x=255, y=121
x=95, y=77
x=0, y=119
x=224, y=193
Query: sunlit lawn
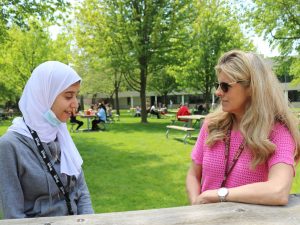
x=133, y=166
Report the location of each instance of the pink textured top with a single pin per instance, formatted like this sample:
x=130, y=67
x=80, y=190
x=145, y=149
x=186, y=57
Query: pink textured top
x=213, y=159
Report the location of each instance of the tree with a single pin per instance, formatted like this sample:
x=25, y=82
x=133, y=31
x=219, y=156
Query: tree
x=129, y=35
x=295, y=69
x=215, y=31
x=20, y=54
x=277, y=20
x=163, y=83
x=99, y=59
x=23, y=51
x=144, y=30
x=18, y=12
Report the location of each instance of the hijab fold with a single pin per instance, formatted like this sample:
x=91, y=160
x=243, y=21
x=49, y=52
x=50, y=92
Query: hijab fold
x=47, y=81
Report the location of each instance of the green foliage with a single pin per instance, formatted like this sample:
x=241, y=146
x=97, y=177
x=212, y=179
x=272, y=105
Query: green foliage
x=18, y=12
x=214, y=31
x=20, y=54
x=23, y=51
x=162, y=83
x=278, y=21
x=295, y=69
x=282, y=65
x=135, y=37
x=287, y=68
x=99, y=58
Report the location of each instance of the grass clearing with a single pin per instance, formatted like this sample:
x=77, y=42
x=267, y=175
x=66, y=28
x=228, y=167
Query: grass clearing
x=132, y=166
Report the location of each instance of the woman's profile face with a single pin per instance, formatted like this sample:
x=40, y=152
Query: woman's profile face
x=235, y=99
x=66, y=102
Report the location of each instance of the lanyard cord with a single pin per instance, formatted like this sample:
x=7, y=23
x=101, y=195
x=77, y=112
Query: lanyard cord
x=51, y=169
x=228, y=168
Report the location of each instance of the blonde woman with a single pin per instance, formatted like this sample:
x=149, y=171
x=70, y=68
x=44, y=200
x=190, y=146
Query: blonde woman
x=247, y=149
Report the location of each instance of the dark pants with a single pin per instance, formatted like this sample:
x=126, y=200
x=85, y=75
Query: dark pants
x=74, y=120
x=95, y=124
x=155, y=113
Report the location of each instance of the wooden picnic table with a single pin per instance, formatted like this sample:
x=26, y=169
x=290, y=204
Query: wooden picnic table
x=225, y=213
x=88, y=120
x=190, y=118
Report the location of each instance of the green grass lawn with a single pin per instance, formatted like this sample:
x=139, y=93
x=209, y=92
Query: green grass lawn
x=133, y=166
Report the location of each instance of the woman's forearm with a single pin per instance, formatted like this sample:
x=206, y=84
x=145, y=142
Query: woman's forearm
x=193, y=186
x=274, y=191
x=265, y=193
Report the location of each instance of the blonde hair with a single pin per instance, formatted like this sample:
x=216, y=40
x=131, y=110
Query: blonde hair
x=267, y=106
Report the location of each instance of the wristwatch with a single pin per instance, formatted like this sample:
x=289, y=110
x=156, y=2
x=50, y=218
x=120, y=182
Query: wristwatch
x=222, y=193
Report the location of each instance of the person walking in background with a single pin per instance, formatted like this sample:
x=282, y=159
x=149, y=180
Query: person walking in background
x=247, y=149
x=41, y=168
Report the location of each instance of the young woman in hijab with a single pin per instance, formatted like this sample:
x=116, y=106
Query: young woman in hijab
x=41, y=173
x=248, y=148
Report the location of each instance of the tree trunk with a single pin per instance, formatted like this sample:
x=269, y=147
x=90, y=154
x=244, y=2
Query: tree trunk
x=81, y=102
x=143, y=94
x=165, y=99
x=117, y=100
x=94, y=98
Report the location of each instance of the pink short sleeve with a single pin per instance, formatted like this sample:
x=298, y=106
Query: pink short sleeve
x=197, y=152
x=285, y=146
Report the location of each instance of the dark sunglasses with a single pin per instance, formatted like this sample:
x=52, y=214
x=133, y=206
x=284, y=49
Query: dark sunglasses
x=225, y=86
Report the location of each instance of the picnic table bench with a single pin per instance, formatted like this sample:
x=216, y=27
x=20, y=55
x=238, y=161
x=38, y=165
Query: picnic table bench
x=188, y=131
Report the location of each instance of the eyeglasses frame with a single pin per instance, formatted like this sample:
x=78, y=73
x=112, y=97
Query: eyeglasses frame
x=227, y=86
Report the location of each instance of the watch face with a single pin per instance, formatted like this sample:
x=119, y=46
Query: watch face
x=222, y=192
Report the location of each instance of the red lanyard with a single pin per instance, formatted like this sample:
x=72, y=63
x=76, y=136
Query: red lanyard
x=228, y=168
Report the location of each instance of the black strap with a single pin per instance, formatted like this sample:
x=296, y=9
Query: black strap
x=51, y=169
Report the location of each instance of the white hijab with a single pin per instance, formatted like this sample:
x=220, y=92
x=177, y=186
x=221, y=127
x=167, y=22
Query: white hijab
x=47, y=81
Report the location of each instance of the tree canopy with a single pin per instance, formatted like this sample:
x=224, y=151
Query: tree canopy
x=277, y=20
x=139, y=45
x=214, y=31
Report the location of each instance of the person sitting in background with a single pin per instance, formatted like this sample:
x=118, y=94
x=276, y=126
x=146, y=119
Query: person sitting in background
x=248, y=148
x=108, y=110
x=74, y=120
x=10, y=112
x=153, y=111
x=137, y=111
x=91, y=110
x=200, y=110
x=101, y=117
x=109, y=115
x=163, y=109
x=183, y=111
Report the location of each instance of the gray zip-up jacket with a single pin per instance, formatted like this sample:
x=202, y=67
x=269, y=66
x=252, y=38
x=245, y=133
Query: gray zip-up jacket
x=27, y=189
